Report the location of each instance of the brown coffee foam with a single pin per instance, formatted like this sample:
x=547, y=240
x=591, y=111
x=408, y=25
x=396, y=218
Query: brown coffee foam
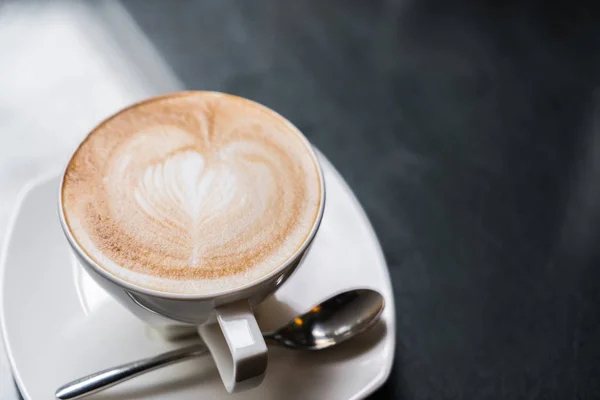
x=101, y=208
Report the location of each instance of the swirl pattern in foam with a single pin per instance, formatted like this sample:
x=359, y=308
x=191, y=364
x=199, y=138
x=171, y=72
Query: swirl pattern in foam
x=192, y=193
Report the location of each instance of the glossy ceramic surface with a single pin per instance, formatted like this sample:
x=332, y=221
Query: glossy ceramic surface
x=59, y=324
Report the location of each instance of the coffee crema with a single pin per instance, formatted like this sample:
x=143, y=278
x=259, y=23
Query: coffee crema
x=194, y=192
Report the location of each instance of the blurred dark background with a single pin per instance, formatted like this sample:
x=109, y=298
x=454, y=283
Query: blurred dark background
x=467, y=130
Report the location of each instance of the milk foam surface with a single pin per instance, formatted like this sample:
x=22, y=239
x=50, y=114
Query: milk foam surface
x=192, y=193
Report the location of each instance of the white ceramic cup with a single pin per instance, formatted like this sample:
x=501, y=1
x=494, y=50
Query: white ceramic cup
x=225, y=319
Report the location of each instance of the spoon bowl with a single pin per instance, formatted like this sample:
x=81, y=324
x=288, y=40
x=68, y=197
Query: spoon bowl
x=334, y=321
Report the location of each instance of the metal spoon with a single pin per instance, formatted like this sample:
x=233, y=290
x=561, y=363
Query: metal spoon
x=334, y=321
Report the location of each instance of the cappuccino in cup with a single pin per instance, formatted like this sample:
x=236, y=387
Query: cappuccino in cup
x=192, y=193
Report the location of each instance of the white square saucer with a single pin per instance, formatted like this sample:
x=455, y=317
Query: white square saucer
x=58, y=325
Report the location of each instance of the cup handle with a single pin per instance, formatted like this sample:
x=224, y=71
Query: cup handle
x=237, y=346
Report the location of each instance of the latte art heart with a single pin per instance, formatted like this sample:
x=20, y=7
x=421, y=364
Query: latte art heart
x=192, y=194
x=186, y=192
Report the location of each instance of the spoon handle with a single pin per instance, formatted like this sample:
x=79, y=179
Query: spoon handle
x=99, y=381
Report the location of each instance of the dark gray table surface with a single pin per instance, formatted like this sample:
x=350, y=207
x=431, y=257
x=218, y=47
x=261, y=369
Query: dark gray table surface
x=467, y=131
